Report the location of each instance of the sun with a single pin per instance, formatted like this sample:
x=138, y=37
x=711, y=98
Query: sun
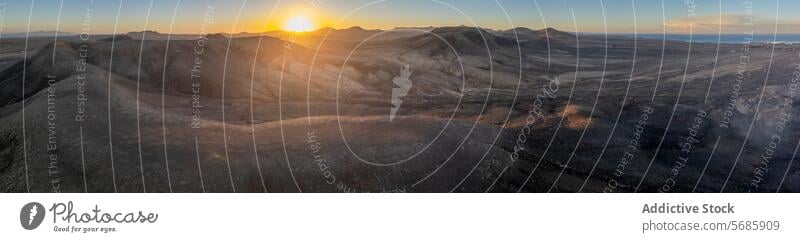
x=298, y=24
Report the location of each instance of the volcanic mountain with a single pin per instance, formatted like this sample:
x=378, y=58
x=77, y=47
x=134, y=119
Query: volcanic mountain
x=504, y=111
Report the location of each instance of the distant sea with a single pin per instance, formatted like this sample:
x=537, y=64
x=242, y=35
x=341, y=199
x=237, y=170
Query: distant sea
x=725, y=38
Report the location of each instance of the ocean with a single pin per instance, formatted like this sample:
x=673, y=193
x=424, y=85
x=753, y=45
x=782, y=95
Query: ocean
x=725, y=38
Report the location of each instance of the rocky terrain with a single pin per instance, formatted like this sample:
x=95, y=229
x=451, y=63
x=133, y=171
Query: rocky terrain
x=488, y=111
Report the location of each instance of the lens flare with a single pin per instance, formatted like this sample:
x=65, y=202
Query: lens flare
x=298, y=24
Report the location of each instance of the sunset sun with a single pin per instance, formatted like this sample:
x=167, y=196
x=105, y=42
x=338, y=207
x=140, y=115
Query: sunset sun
x=298, y=24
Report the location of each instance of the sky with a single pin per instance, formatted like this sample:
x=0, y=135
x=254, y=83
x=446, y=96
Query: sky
x=233, y=16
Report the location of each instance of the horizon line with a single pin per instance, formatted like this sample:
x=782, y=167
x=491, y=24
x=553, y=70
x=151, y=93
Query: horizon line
x=70, y=33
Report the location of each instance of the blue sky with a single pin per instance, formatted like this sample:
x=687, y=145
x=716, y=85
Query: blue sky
x=256, y=15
